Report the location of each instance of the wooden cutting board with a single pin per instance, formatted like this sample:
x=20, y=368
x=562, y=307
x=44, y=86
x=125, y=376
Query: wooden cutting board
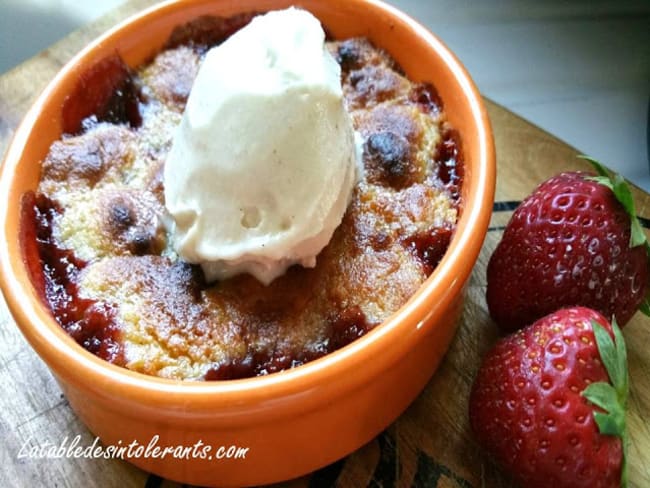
x=429, y=445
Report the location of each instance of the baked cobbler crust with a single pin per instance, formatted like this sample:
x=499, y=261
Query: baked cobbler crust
x=100, y=205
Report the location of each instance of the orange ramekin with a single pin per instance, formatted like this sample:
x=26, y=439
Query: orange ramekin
x=295, y=421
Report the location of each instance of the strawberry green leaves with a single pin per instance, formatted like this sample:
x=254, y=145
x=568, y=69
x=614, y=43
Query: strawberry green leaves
x=611, y=398
x=623, y=194
x=645, y=306
x=604, y=396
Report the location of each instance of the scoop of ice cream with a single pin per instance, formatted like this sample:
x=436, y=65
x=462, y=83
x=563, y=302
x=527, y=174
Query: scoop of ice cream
x=263, y=164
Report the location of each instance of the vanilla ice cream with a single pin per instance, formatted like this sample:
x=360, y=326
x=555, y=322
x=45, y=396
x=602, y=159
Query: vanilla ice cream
x=263, y=164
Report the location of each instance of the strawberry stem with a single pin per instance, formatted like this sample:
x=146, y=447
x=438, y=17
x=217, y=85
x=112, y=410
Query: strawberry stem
x=612, y=398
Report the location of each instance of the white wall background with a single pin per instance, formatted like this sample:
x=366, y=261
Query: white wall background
x=579, y=69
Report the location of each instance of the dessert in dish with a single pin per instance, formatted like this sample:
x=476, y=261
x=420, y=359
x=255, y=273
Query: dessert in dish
x=114, y=282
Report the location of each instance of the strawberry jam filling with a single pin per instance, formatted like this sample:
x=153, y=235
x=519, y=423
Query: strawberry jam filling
x=90, y=323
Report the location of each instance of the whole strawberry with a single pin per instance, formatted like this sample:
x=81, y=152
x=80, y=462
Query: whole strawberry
x=575, y=241
x=533, y=403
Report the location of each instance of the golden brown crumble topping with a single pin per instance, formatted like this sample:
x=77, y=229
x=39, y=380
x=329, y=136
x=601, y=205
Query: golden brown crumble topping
x=100, y=205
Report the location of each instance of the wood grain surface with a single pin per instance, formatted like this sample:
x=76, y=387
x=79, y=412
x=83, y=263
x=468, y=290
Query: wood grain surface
x=429, y=445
